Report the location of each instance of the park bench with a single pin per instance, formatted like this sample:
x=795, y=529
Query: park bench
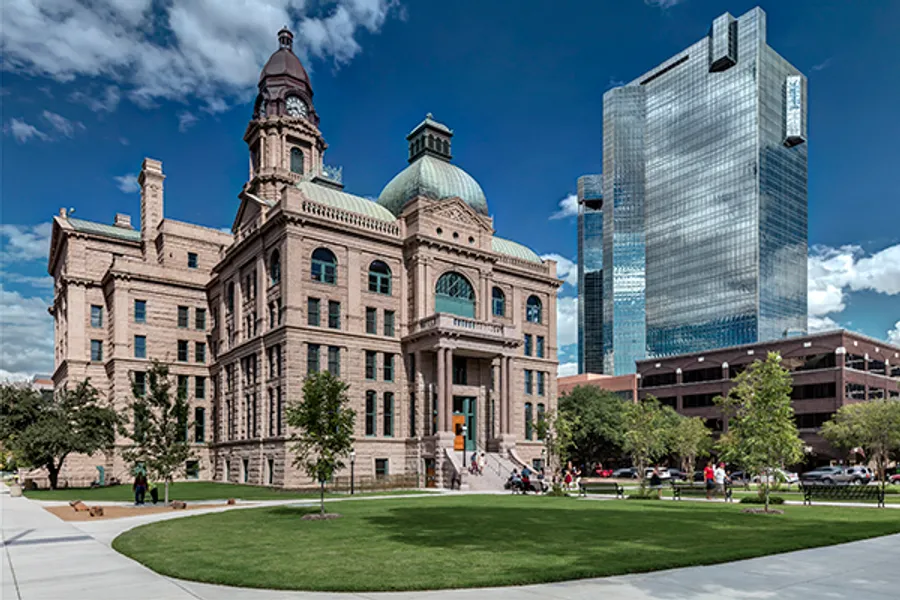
x=601, y=487
x=688, y=489
x=842, y=492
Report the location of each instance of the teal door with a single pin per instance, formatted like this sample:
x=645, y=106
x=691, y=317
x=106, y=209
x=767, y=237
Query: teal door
x=464, y=406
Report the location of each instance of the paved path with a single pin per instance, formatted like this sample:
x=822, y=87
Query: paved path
x=47, y=558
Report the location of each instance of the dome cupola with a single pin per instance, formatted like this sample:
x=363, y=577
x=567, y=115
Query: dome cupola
x=284, y=87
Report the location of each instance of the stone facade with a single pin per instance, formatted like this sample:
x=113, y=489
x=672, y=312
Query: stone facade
x=432, y=320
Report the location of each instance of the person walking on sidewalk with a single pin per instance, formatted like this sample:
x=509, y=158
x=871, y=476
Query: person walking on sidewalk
x=139, y=487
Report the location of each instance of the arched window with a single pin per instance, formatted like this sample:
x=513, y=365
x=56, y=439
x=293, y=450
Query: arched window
x=533, y=309
x=446, y=147
x=379, y=278
x=275, y=267
x=529, y=426
x=297, y=160
x=454, y=295
x=498, y=302
x=324, y=266
x=431, y=141
x=229, y=297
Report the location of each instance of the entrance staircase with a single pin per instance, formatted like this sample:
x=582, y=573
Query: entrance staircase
x=495, y=472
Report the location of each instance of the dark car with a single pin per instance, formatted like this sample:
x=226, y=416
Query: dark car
x=677, y=475
x=698, y=476
x=824, y=475
x=739, y=478
x=626, y=473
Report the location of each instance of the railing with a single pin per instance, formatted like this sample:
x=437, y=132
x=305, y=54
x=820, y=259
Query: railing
x=446, y=321
x=350, y=218
x=377, y=483
x=525, y=264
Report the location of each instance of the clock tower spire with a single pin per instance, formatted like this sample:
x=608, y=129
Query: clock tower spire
x=283, y=136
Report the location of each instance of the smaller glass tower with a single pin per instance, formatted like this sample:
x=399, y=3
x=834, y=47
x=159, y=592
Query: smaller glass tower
x=590, y=274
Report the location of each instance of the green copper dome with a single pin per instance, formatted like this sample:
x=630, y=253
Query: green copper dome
x=433, y=178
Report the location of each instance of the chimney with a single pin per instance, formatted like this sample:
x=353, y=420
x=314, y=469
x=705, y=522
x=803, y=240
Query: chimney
x=123, y=221
x=151, y=182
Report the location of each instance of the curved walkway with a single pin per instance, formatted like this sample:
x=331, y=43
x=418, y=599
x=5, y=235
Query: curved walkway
x=47, y=558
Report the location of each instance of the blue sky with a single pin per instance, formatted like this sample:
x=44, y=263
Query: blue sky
x=88, y=92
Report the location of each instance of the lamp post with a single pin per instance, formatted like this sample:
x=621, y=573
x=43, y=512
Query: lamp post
x=464, y=429
x=352, y=469
x=543, y=454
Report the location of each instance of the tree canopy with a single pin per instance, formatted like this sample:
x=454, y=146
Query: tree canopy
x=648, y=427
x=690, y=439
x=41, y=430
x=597, y=419
x=873, y=426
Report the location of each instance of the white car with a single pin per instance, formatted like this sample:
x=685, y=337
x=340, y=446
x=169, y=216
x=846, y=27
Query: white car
x=781, y=475
x=663, y=474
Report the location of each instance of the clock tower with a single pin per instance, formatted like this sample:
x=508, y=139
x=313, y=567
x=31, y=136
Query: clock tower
x=283, y=136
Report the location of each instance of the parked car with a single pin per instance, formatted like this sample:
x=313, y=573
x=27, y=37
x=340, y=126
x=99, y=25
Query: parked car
x=824, y=475
x=698, y=476
x=600, y=472
x=663, y=474
x=780, y=475
x=625, y=473
x=677, y=475
x=859, y=475
x=739, y=478
x=894, y=479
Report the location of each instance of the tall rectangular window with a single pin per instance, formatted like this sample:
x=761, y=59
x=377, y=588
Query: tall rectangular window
x=140, y=311
x=381, y=468
x=199, y=424
x=334, y=360
x=388, y=367
x=312, y=359
x=183, y=316
x=371, y=412
x=96, y=350
x=183, y=385
x=139, y=386
x=529, y=381
x=370, y=364
x=192, y=260
x=388, y=415
x=527, y=344
x=540, y=383
x=199, y=387
x=389, y=323
x=271, y=412
x=140, y=346
x=460, y=374
x=278, y=410
x=96, y=315
x=371, y=320
x=540, y=346
x=312, y=312
x=412, y=413
x=200, y=352
x=540, y=421
x=200, y=318
x=183, y=350
x=334, y=314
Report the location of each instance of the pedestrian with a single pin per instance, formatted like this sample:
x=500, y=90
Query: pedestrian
x=656, y=482
x=154, y=492
x=720, y=477
x=473, y=465
x=481, y=463
x=139, y=487
x=709, y=480
x=526, y=479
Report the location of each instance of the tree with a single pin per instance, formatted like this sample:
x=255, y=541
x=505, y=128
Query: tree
x=647, y=433
x=41, y=430
x=597, y=418
x=762, y=435
x=324, y=424
x=555, y=429
x=690, y=439
x=159, y=427
x=873, y=426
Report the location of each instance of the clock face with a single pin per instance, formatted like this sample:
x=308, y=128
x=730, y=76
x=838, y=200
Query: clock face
x=296, y=107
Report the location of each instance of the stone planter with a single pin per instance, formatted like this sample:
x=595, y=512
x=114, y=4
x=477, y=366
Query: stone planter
x=15, y=490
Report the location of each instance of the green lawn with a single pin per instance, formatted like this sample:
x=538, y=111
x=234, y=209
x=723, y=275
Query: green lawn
x=468, y=541
x=190, y=491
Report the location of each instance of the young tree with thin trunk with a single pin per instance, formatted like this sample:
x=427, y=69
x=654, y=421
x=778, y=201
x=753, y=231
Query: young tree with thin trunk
x=159, y=427
x=43, y=429
x=555, y=429
x=647, y=434
x=690, y=439
x=762, y=435
x=324, y=424
x=873, y=426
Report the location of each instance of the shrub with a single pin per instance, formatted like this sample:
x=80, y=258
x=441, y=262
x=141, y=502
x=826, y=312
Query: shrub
x=557, y=491
x=648, y=495
x=760, y=500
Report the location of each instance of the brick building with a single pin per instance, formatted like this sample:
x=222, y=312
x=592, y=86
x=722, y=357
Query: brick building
x=828, y=369
x=433, y=320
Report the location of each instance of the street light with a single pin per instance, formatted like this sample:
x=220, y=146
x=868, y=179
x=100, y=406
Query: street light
x=352, y=469
x=463, y=429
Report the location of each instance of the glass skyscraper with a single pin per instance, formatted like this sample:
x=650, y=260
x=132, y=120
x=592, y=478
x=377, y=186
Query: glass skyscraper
x=590, y=274
x=704, y=201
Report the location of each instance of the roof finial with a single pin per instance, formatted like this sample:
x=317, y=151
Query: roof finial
x=429, y=116
x=286, y=38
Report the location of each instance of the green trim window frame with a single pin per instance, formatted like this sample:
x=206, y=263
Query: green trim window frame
x=540, y=383
x=388, y=364
x=381, y=468
x=533, y=310
x=192, y=260
x=140, y=311
x=498, y=302
x=540, y=420
x=182, y=388
x=529, y=381
x=389, y=323
x=313, y=312
x=139, y=383
x=371, y=413
x=183, y=317
x=96, y=350
x=528, y=344
x=454, y=295
x=529, y=425
x=96, y=315
x=200, y=319
x=192, y=469
x=183, y=351
x=388, y=415
x=379, y=278
x=371, y=320
x=199, y=387
x=296, y=160
x=371, y=357
x=312, y=359
x=324, y=266
x=140, y=346
x=199, y=425
x=274, y=267
x=460, y=371
x=200, y=352
x=540, y=346
x=334, y=314
x=334, y=360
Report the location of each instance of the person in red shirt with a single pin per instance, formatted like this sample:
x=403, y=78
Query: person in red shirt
x=709, y=478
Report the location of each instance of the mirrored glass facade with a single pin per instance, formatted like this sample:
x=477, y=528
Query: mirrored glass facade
x=705, y=214
x=590, y=274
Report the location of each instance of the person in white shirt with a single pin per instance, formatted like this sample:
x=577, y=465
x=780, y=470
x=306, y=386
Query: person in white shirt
x=721, y=478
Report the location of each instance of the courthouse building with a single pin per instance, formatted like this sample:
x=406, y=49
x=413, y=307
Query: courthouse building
x=445, y=332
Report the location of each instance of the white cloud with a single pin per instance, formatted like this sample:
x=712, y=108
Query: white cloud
x=566, y=369
x=566, y=321
x=24, y=242
x=211, y=50
x=105, y=101
x=185, y=121
x=893, y=336
x=822, y=65
x=127, y=184
x=26, y=346
x=566, y=269
x=819, y=324
x=833, y=272
x=61, y=124
x=662, y=3
x=22, y=131
x=568, y=207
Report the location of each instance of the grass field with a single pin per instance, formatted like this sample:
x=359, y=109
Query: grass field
x=469, y=541
x=189, y=491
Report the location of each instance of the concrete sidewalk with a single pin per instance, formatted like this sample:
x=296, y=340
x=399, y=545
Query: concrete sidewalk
x=46, y=558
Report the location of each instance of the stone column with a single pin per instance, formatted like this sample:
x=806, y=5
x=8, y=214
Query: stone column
x=420, y=291
x=448, y=387
x=500, y=403
x=441, y=384
x=509, y=394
